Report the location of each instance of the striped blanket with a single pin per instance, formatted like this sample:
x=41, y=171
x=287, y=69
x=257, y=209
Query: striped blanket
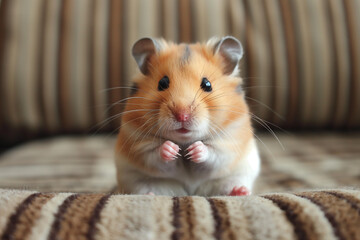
x=326, y=214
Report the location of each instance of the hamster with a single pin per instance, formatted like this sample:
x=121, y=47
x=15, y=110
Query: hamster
x=186, y=128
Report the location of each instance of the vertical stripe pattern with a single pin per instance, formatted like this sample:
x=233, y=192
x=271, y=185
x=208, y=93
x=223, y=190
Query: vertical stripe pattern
x=61, y=60
x=324, y=214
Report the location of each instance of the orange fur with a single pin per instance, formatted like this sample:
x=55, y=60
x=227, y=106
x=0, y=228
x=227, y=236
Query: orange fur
x=223, y=105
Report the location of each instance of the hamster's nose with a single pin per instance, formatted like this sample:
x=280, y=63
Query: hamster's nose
x=182, y=116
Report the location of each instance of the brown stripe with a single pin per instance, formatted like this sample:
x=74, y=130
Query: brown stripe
x=183, y=218
x=40, y=78
x=291, y=58
x=21, y=222
x=74, y=220
x=115, y=58
x=354, y=60
x=353, y=201
x=185, y=21
x=249, y=60
x=3, y=24
x=63, y=65
x=334, y=66
x=344, y=219
x=55, y=228
x=95, y=217
x=294, y=213
x=91, y=46
x=272, y=68
x=221, y=218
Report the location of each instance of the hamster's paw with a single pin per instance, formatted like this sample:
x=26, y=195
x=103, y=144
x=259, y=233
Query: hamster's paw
x=169, y=151
x=197, y=152
x=240, y=191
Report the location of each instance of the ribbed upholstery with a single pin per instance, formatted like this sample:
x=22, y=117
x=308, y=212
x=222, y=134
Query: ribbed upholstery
x=320, y=215
x=60, y=60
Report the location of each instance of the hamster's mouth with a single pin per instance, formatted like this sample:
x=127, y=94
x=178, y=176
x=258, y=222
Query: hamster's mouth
x=182, y=130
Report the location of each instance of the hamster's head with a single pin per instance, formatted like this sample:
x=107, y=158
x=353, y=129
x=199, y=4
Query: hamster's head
x=186, y=93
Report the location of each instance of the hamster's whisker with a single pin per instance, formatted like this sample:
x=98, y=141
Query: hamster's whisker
x=266, y=106
x=159, y=129
x=225, y=133
x=128, y=98
x=139, y=131
x=143, y=116
x=116, y=88
x=221, y=93
x=259, y=120
x=196, y=95
x=106, y=121
x=148, y=129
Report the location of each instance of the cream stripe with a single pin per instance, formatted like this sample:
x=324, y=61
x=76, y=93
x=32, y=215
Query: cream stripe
x=200, y=20
x=21, y=95
x=216, y=23
x=130, y=35
x=171, y=20
x=133, y=217
x=9, y=201
x=237, y=20
x=264, y=217
x=27, y=64
x=281, y=71
x=149, y=20
x=239, y=224
x=307, y=89
x=11, y=50
x=355, y=193
x=204, y=222
x=30, y=80
x=342, y=48
x=261, y=56
x=324, y=72
x=42, y=226
x=51, y=41
x=79, y=76
x=101, y=29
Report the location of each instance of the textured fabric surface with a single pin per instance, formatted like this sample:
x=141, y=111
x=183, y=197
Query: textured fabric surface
x=86, y=164
x=322, y=215
x=61, y=61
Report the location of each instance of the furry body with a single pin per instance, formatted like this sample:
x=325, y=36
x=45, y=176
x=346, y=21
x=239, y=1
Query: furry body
x=186, y=130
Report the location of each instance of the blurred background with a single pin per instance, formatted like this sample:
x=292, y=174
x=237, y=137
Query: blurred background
x=61, y=62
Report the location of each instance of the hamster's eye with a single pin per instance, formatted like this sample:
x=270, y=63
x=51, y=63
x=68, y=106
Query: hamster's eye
x=206, y=85
x=164, y=83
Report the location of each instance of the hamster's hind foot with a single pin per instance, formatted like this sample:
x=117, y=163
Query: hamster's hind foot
x=240, y=191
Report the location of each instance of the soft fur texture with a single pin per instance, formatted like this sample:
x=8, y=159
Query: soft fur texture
x=322, y=215
x=183, y=139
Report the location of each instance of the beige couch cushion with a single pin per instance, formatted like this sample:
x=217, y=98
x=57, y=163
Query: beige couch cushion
x=85, y=164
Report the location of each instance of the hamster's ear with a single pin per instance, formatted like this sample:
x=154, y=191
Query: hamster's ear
x=231, y=51
x=142, y=51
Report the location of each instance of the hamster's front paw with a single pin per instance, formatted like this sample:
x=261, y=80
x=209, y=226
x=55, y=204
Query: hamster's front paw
x=169, y=151
x=240, y=191
x=197, y=152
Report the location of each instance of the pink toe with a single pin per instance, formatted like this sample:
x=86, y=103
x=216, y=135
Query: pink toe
x=239, y=191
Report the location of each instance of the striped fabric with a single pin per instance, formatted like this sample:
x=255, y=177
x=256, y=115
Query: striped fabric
x=61, y=61
x=86, y=164
x=320, y=215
